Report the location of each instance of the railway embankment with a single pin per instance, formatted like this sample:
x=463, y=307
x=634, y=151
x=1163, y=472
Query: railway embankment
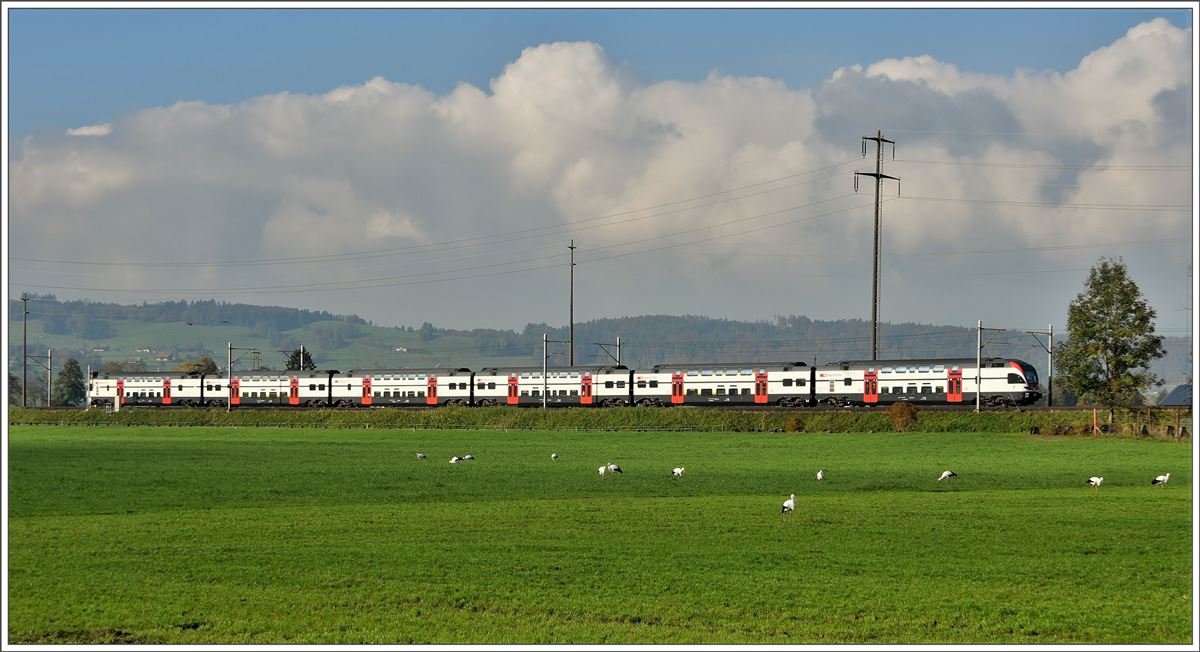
x=1146, y=422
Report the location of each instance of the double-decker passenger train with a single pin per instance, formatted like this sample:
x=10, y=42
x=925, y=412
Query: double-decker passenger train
x=1001, y=382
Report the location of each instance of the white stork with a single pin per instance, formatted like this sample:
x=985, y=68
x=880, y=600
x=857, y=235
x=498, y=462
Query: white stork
x=420, y=456
x=789, y=505
x=554, y=457
x=468, y=456
x=821, y=474
x=455, y=460
x=677, y=472
x=602, y=470
x=946, y=475
x=1162, y=479
x=1095, y=481
x=614, y=468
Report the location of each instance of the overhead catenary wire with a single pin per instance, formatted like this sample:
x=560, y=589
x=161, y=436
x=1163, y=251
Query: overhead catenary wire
x=551, y=230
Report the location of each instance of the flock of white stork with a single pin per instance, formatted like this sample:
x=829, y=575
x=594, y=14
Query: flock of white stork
x=789, y=505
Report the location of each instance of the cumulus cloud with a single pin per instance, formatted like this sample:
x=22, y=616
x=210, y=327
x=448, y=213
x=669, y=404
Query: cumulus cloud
x=386, y=183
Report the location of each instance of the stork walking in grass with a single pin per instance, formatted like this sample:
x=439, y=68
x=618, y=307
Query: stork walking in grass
x=455, y=460
x=554, y=457
x=602, y=470
x=468, y=456
x=789, y=505
x=1162, y=479
x=821, y=474
x=614, y=468
x=677, y=472
x=1095, y=481
x=420, y=456
x=946, y=475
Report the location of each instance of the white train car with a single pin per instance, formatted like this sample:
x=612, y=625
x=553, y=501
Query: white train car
x=724, y=384
x=1003, y=382
x=602, y=386
x=404, y=387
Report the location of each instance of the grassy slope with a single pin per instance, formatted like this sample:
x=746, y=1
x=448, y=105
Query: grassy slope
x=313, y=536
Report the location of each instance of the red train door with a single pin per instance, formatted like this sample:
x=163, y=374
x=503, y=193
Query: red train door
x=294, y=392
x=870, y=387
x=676, y=389
x=121, y=390
x=366, y=390
x=585, y=389
x=431, y=392
x=512, y=389
x=235, y=391
x=954, y=386
x=760, y=387
x=166, y=391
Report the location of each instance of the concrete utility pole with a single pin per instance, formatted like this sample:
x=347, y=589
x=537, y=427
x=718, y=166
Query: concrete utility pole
x=879, y=177
x=571, y=329
x=978, y=360
x=24, y=347
x=49, y=376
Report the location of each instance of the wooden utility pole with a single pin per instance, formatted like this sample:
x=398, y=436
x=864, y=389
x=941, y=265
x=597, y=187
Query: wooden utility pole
x=879, y=177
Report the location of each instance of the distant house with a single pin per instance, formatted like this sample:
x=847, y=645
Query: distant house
x=146, y=350
x=1179, y=397
x=164, y=357
x=99, y=349
x=401, y=349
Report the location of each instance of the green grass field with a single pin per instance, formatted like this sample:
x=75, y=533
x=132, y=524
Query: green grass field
x=257, y=535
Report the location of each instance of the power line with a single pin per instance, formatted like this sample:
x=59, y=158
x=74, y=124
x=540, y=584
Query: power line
x=1092, y=168
x=1166, y=208
x=554, y=229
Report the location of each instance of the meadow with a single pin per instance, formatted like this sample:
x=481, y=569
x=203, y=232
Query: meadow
x=287, y=535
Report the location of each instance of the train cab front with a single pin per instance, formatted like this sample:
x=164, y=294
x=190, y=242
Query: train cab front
x=1023, y=382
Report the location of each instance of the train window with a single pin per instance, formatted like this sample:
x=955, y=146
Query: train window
x=525, y=375
x=998, y=364
x=901, y=368
x=620, y=384
x=926, y=389
x=641, y=384
x=938, y=368
x=420, y=393
x=574, y=392
x=378, y=393
x=208, y=387
x=832, y=385
x=1015, y=379
x=706, y=372
x=912, y=389
x=846, y=382
x=745, y=391
x=762, y=371
x=525, y=392
x=954, y=368
x=883, y=390
x=312, y=387
x=653, y=384
x=800, y=382
x=731, y=372
x=320, y=387
x=608, y=384
x=787, y=382
x=923, y=368
x=886, y=370
x=693, y=372
x=692, y=392
x=720, y=390
x=481, y=386
x=574, y=374
x=707, y=391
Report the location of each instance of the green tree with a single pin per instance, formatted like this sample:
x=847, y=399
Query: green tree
x=14, y=389
x=295, y=361
x=1112, y=342
x=203, y=365
x=69, y=387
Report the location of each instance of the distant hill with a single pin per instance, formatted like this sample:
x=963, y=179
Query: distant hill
x=161, y=335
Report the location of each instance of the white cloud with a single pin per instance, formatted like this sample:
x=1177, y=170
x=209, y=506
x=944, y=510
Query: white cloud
x=91, y=130
x=563, y=135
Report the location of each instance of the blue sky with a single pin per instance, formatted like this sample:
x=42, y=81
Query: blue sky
x=75, y=67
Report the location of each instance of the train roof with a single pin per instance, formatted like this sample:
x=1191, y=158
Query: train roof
x=728, y=365
x=493, y=371
x=920, y=361
x=410, y=370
